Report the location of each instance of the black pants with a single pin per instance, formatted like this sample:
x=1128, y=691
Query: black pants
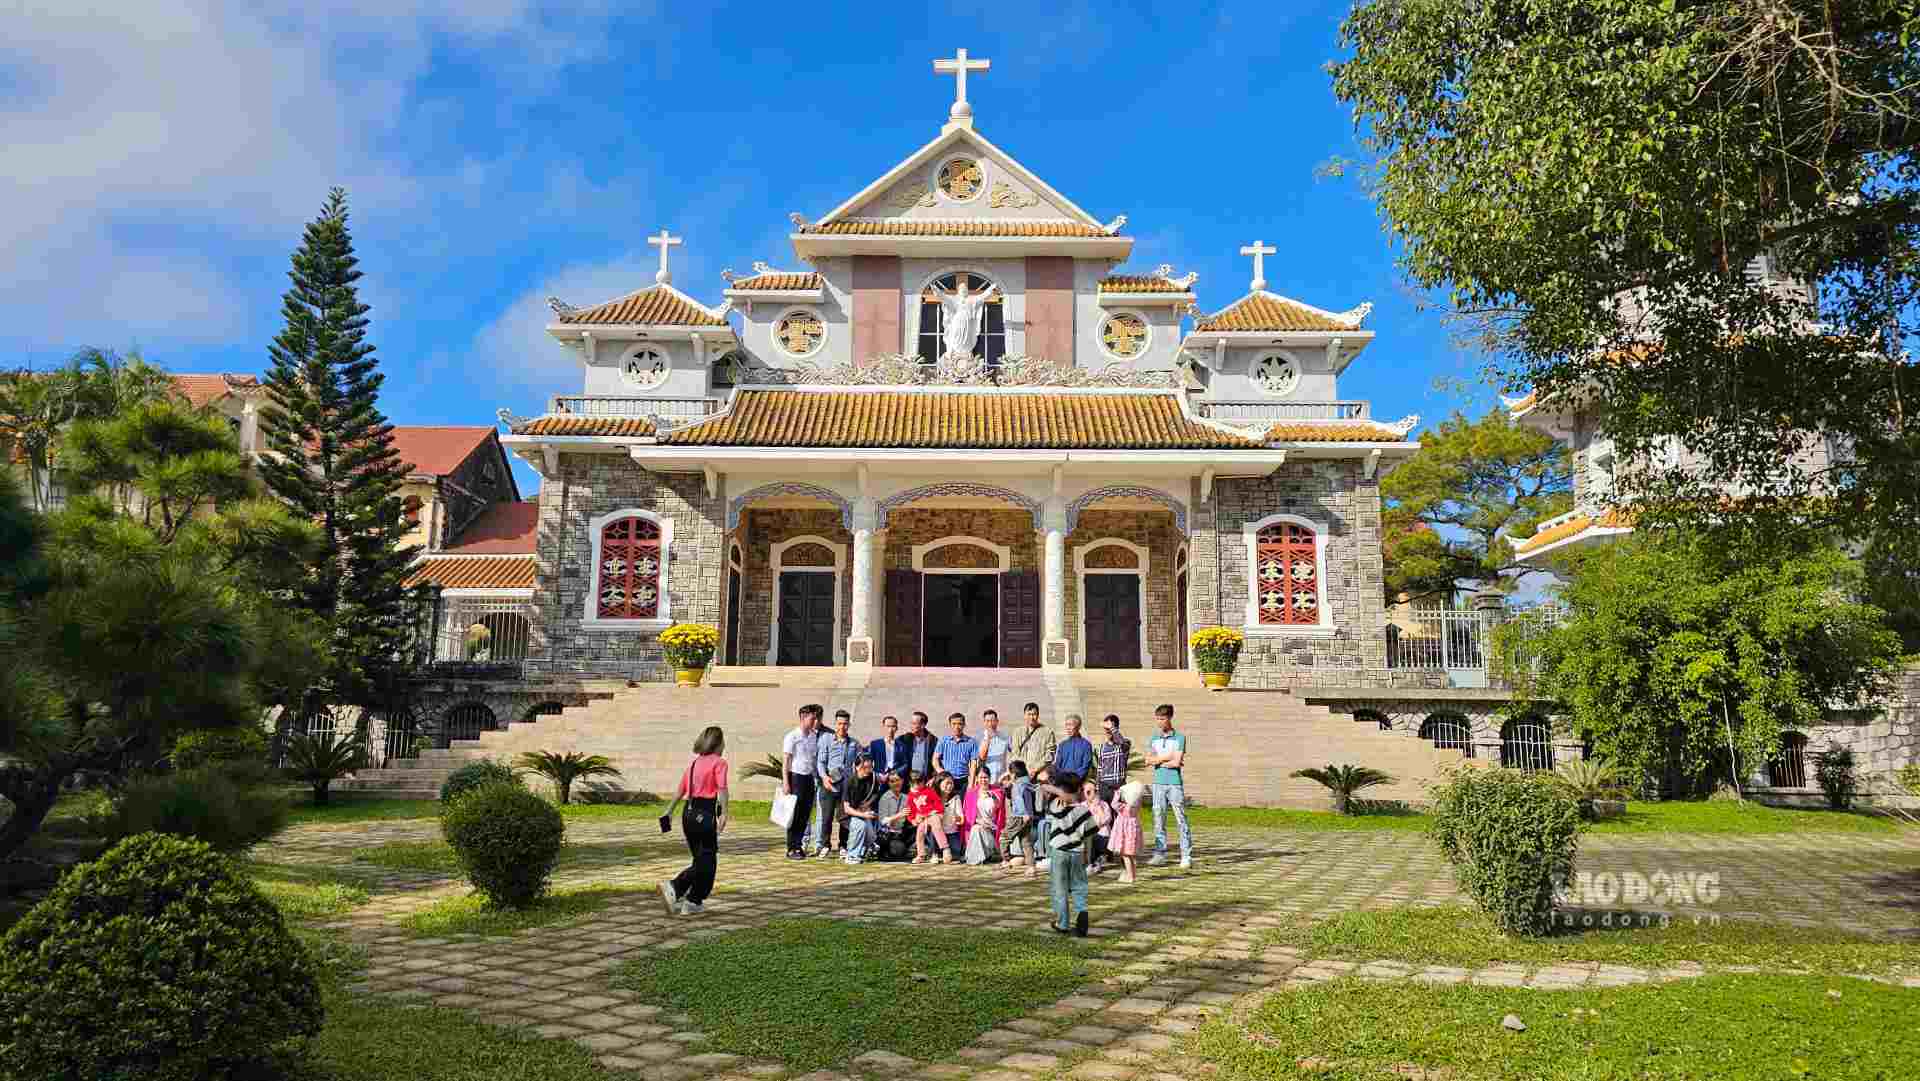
x=701, y=824
x=802, y=812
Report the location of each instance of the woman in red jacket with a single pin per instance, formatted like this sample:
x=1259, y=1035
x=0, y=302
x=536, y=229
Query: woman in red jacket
x=924, y=810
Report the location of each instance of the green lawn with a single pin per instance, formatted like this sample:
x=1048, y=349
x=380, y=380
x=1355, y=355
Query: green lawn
x=436, y=856
x=306, y=892
x=469, y=915
x=1728, y=816
x=923, y=995
x=1729, y=1028
x=345, y=810
x=1466, y=938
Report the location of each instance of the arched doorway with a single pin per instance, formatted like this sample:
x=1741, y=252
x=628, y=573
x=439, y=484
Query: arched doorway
x=1448, y=732
x=1526, y=743
x=465, y=721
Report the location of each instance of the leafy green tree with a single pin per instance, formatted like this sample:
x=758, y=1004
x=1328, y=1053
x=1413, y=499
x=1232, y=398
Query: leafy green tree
x=332, y=460
x=1701, y=218
x=1482, y=482
x=1678, y=652
x=36, y=408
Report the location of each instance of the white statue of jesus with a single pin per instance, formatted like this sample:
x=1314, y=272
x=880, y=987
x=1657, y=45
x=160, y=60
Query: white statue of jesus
x=962, y=311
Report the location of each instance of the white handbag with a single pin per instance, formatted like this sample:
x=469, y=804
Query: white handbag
x=783, y=808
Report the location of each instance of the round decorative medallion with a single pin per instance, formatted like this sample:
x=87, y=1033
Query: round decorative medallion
x=799, y=333
x=1277, y=373
x=960, y=179
x=645, y=368
x=1125, y=335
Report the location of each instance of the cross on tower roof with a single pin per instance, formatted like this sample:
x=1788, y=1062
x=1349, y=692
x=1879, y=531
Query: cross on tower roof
x=958, y=68
x=1259, y=249
x=664, y=241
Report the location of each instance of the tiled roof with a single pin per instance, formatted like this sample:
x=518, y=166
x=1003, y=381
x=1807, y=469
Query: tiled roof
x=656, y=305
x=777, y=281
x=565, y=425
x=1574, y=526
x=1525, y=403
x=937, y=227
x=935, y=419
x=1141, y=283
x=1332, y=433
x=1265, y=311
x=475, y=572
x=502, y=529
x=437, y=450
x=203, y=389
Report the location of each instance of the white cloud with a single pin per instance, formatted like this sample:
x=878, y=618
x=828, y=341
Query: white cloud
x=514, y=352
x=135, y=133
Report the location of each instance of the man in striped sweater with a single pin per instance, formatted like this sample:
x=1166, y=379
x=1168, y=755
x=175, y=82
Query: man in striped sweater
x=1069, y=825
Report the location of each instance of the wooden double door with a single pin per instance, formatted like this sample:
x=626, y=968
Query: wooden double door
x=963, y=620
x=1112, y=620
x=805, y=631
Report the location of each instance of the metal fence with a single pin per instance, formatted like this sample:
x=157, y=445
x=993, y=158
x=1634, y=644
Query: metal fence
x=482, y=631
x=600, y=405
x=1445, y=638
x=1273, y=410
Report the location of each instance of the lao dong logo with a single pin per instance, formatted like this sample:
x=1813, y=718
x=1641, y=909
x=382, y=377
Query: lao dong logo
x=1661, y=888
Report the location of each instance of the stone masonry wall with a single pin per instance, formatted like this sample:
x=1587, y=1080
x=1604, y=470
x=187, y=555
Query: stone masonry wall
x=1346, y=507
x=1882, y=739
x=760, y=530
x=1152, y=530
x=909, y=526
x=590, y=485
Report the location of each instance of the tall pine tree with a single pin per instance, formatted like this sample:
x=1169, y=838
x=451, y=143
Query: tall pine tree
x=332, y=459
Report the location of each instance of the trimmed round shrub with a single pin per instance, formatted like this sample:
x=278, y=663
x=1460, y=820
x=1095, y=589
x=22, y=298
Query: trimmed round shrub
x=507, y=840
x=474, y=774
x=155, y=962
x=206, y=746
x=1510, y=837
x=214, y=804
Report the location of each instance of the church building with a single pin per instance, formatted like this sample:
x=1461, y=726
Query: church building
x=952, y=427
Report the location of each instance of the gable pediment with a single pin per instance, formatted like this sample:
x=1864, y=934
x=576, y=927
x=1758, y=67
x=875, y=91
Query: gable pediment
x=961, y=176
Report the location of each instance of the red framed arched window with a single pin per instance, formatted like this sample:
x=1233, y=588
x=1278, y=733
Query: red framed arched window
x=630, y=569
x=1286, y=576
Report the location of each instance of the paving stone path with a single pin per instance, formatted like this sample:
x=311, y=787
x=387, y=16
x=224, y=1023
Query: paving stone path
x=1179, y=946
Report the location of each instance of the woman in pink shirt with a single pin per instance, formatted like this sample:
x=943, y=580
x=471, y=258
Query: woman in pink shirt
x=704, y=786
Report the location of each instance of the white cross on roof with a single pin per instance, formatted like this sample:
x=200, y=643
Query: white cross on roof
x=664, y=241
x=1259, y=249
x=958, y=68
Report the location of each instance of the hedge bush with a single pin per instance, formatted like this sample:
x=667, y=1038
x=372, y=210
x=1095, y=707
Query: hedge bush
x=1510, y=837
x=156, y=962
x=205, y=746
x=474, y=774
x=507, y=840
x=212, y=804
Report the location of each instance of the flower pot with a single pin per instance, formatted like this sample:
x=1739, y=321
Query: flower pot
x=689, y=677
x=1609, y=808
x=1216, y=681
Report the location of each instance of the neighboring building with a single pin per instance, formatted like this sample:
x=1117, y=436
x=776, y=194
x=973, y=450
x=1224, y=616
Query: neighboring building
x=476, y=539
x=237, y=397
x=959, y=435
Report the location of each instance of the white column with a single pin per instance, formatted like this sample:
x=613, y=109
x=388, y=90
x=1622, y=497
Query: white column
x=1054, y=650
x=860, y=635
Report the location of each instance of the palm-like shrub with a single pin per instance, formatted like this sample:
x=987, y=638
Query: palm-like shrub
x=564, y=768
x=1589, y=779
x=1833, y=771
x=321, y=758
x=473, y=775
x=1344, y=781
x=772, y=768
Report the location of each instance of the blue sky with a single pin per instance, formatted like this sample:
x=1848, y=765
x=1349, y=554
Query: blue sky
x=163, y=159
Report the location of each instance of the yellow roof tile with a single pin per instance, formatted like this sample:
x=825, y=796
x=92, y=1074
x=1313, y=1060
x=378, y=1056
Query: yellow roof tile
x=1265, y=311
x=936, y=419
x=657, y=305
x=777, y=281
x=936, y=227
x=569, y=425
x=475, y=572
x=1574, y=526
x=1141, y=283
x=1332, y=433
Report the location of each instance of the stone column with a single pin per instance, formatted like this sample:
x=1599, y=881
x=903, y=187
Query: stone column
x=866, y=516
x=1054, y=650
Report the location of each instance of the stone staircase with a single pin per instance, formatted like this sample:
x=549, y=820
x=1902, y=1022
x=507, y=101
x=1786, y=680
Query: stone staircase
x=1242, y=744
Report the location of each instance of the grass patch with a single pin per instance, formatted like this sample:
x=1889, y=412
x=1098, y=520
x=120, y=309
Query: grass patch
x=371, y=1039
x=346, y=809
x=411, y=856
x=1733, y=1028
x=858, y=985
x=469, y=914
x=1467, y=938
x=307, y=893
x=1739, y=817
x=1286, y=818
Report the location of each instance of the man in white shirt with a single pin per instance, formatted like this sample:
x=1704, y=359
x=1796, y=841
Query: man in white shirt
x=797, y=753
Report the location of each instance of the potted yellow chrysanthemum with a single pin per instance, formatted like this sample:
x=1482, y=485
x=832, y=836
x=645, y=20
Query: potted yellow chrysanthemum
x=1216, y=650
x=689, y=646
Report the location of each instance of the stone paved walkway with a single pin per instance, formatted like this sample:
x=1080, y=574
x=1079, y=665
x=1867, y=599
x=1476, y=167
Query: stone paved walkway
x=1181, y=945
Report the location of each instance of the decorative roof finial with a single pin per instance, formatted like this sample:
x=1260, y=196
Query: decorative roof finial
x=1356, y=316
x=560, y=307
x=1259, y=250
x=664, y=241
x=962, y=111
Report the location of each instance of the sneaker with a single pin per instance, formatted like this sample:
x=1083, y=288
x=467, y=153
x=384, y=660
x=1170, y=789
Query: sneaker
x=1158, y=859
x=1043, y=865
x=669, y=898
x=823, y=853
x=796, y=854
x=1080, y=924
x=852, y=861
x=1057, y=929
x=1186, y=863
x=688, y=908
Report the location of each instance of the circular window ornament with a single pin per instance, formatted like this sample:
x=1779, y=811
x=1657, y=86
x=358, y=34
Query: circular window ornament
x=1125, y=335
x=645, y=368
x=960, y=179
x=1277, y=374
x=799, y=333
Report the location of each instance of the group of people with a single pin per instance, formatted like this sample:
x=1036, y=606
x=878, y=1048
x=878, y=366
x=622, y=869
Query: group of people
x=1027, y=799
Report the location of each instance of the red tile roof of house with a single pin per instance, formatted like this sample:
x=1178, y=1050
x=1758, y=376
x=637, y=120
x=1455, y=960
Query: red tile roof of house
x=469, y=572
x=502, y=529
x=437, y=450
x=205, y=388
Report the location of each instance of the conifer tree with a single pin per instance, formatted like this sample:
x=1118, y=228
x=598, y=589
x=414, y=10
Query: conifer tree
x=332, y=459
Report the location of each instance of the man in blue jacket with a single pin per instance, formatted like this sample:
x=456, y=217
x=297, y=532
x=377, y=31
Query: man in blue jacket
x=892, y=752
